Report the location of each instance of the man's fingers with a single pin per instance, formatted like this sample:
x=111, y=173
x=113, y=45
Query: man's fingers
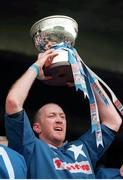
x=50, y=58
x=49, y=51
x=54, y=54
x=45, y=53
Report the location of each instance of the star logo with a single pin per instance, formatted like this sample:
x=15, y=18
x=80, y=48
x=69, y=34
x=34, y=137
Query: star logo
x=77, y=150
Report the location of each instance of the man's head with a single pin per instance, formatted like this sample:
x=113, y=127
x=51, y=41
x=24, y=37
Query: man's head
x=50, y=124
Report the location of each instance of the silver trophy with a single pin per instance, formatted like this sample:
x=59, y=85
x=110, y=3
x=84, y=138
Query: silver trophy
x=48, y=32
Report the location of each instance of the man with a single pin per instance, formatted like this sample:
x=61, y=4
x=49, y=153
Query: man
x=49, y=156
x=12, y=164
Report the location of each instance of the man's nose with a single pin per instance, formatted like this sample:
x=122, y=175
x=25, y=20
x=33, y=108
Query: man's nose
x=59, y=120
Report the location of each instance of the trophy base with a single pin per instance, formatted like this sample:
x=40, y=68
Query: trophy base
x=61, y=74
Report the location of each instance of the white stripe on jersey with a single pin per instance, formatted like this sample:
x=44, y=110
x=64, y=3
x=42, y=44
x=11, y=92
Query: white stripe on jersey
x=7, y=162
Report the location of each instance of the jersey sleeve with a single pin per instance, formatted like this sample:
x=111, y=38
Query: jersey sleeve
x=89, y=139
x=20, y=135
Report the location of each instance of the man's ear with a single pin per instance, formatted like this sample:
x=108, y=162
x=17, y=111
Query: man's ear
x=37, y=128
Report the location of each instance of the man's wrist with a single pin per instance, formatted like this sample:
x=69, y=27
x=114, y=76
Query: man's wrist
x=36, y=69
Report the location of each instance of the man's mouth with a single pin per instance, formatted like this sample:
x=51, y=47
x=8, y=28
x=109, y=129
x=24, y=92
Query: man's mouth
x=58, y=129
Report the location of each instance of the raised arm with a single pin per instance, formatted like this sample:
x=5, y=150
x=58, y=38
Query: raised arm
x=19, y=91
x=108, y=114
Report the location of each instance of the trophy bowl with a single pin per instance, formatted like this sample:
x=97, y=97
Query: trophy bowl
x=53, y=30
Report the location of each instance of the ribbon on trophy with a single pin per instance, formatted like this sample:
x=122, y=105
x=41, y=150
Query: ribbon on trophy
x=86, y=81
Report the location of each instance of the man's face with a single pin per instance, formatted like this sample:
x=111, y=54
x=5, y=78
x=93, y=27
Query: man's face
x=52, y=124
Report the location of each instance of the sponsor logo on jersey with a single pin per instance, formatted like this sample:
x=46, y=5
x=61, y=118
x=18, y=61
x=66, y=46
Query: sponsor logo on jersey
x=83, y=166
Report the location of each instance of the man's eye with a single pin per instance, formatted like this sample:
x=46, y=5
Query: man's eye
x=51, y=115
x=62, y=116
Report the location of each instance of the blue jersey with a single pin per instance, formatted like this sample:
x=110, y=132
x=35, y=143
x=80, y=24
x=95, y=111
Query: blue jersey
x=12, y=164
x=108, y=173
x=74, y=160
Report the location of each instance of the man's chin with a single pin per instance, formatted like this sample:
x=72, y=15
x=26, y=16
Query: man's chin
x=58, y=141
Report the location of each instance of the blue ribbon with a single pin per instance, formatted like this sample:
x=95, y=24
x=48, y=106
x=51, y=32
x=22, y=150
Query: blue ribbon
x=85, y=80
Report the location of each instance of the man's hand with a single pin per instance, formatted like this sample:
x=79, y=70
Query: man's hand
x=44, y=60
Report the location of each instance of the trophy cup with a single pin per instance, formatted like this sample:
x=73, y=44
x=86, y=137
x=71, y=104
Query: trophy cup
x=50, y=31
